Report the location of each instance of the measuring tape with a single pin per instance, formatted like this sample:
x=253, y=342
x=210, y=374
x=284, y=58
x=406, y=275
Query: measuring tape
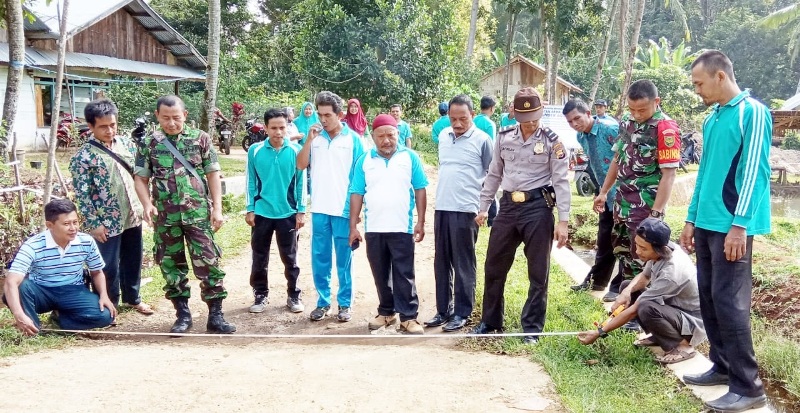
x=307, y=336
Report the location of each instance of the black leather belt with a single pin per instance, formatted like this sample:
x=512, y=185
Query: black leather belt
x=524, y=196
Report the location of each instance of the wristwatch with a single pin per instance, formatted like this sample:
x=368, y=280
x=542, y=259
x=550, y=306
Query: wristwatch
x=656, y=214
x=602, y=332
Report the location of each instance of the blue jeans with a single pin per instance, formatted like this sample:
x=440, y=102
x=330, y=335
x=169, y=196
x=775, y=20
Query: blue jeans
x=78, y=308
x=123, y=257
x=330, y=233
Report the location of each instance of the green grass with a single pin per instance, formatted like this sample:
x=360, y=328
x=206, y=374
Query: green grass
x=609, y=376
x=778, y=356
x=231, y=166
x=427, y=150
x=233, y=238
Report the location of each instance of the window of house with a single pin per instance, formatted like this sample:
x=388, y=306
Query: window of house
x=75, y=95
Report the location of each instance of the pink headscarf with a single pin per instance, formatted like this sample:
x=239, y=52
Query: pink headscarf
x=357, y=122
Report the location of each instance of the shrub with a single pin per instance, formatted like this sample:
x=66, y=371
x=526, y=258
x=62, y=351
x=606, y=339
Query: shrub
x=791, y=142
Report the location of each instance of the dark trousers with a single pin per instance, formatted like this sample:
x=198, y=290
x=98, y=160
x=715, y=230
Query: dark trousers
x=604, y=260
x=454, y=263
x=492, y=213
x=664, y=322
x=531, y=223
x=78, y=308
x=726, y=290
x=123, y=257
x=391, y=258
x=286, y=236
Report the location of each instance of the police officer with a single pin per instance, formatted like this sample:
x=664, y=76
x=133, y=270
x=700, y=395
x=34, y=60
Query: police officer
x=183, y=166
x=530, y=164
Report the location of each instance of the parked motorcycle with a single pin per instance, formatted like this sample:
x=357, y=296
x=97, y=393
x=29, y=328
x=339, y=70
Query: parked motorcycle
x=69, y=128
x=141, y=127
x=585, y=182
x=689, y=151
x=224, y=130
x=256, y=132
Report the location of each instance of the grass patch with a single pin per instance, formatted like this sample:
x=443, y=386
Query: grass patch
x=427, y=150
x=232, y=166
x=777, y=356
x=610, y=376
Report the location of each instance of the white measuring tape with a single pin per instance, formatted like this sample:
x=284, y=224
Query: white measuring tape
x=307, y=336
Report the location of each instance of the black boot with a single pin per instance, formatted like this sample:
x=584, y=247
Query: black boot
x=183, y=314
x=216, y=323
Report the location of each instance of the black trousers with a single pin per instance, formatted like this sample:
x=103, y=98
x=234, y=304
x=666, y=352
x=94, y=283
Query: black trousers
x=726, y=290
x=604, y=260
x=123, y=257
x=492, y=213
x=454, y=264
x=664, y=322
x=286, y=236
x=531, y=223
x=391, y=258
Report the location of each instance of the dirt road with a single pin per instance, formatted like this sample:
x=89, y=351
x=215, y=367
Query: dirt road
x=244, y=375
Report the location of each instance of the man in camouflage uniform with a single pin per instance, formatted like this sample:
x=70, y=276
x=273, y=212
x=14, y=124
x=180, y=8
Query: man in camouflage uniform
x=647, y=154
x=183, y=211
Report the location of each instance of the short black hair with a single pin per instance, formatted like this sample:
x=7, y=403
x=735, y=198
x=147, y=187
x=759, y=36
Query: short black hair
x=714, y=61
x=576, y=104
x=487, y=102
x=326, y=98
x=99, y=108
x=170, y=101
x=396, y=105
x=56, y=208
x=665, y=252
x=462, y=99
x=274, y=113
x=642, y=89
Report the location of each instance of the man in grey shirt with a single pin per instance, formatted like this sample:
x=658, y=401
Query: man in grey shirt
x=669, y=308
x=530, y=164
x=465, y=153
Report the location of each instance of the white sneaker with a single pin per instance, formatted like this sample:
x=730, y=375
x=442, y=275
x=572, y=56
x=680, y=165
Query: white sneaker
x=295, y=305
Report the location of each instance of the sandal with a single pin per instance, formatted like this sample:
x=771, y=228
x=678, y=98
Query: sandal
x=675, y=356
x=142, y=308
x=644, y=342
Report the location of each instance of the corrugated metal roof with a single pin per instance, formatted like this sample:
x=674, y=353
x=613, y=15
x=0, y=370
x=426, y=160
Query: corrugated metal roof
x=48, y=59
x=85, y=13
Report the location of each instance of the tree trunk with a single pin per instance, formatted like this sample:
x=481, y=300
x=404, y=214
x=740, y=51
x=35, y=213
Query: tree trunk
x=552, y=96
x=16, y=58
x=637, y=26
x=51, y=150
x=212, y=70
x=623, y=48
x=473, y=27
x=604, y=53
x=511, y=23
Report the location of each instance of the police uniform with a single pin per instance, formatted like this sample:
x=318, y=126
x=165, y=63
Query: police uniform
x=533, y=176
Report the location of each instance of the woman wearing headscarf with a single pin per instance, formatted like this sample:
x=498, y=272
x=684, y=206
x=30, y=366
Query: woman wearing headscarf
x=308, y=116
x=357, y=122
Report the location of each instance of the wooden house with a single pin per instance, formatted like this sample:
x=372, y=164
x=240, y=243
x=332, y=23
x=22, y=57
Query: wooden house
x=524, y=73
x=108, y=41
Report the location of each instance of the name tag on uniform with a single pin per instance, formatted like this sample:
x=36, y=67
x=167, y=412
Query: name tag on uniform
x=538, y=148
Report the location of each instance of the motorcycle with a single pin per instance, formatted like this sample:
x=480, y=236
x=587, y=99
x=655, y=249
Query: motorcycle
x=69, y=128
x=140, y=129
x=585, y=182
x=255, y=133
x=224, y=130
x=689, y=152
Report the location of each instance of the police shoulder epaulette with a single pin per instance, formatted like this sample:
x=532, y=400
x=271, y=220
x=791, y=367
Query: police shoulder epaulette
x=551, y=136
x=507, y=129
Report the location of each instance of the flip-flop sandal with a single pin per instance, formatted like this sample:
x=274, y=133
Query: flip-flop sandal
x=143, y=308
x=683, y=356
x=644, y=342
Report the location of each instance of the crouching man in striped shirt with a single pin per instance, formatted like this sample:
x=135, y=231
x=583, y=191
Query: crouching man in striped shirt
x=47, y=275
x=390, y=181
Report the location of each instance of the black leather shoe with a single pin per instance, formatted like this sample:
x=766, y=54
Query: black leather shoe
x=732, y=402
x=437, y=320
x=584, y=286
x=532, y=340
x=484, y=328
x=709, y=378
x=456, y=323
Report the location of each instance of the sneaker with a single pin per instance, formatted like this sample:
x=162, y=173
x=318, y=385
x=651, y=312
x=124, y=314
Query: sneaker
x=344, y=314
x=382, y=321
x=411, y=327
x=295, y=305
x=260, y=304
x=320, y=312
x=610, y=297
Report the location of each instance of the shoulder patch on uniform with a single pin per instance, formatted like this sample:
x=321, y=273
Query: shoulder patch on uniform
x=551, y=136
x=559, y=151
x=507, y=129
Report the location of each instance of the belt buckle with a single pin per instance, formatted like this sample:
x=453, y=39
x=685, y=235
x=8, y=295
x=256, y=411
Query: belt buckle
x=518, y=196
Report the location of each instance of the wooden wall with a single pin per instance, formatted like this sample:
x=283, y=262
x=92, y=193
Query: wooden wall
x=118, y=35
x=522, y=75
